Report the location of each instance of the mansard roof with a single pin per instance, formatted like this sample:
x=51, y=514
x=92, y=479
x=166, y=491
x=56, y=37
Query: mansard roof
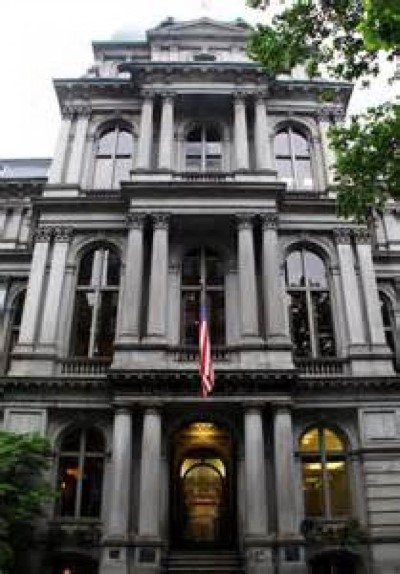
x=200, y=28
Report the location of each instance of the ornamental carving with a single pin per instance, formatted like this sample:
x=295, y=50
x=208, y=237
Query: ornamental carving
x=269, y=220
x=68, y=112
x=135, y=220
x=43, y=234
x=342, y=235
x=63, y=234
x=83, y=110
x=244, y=220
x=160, y=220
x=362, y=235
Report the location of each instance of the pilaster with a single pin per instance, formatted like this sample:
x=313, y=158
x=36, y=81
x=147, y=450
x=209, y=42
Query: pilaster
x=165, y=158
x=56, y=171
x=262, y=135
x=74, y=172
x=241, y=137
x=146, y=132
x=158, y=291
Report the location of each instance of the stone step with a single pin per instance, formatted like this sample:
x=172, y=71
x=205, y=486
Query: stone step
x=191, y=562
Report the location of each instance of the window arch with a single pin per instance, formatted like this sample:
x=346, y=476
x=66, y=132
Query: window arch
x=310, y=311
x=14, y=324
x=80, y=473
x=202, y=283
x=292, y=152
x=203, y=148
x=388, y=320
x=323, y=455
x=113, y=157
x=96, y=301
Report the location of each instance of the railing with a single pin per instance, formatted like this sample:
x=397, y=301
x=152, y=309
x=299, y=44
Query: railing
x=322, y=366
x=85, y=366
x=191, y=354
x=203, y=176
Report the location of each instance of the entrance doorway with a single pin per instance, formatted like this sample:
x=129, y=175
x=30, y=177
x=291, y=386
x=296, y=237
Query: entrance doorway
x=338, y=562
x=203, y=488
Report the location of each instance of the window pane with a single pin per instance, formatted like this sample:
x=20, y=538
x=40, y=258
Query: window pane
x=190, y=317
x=299, y=145
x=86, y=268
x=94, y=441
x=332, y=442
x=213, y=134
x=388, y=320
x=191, y=269
x=68, y=476
x=113, y=268
x=322, y=316
x=92, y=482
x=102, y=173
x=193, y=163
x=294, y=270
x=299, y=326
x=83, y=312
x=285, y=171
x=304, y=174
x=106, y=320
x=122, y=169
x=338, y=488
x=315, y=270
x=106, y=144
x=213, y=163
x=215, y=274
x=124, y=143
x=313, y=489
x=194, y=135
x=281, y=144
x=310, y=441
x=216, y=314
x=71, y=442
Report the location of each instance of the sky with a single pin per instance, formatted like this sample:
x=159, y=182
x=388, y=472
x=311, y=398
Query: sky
x=45, y=39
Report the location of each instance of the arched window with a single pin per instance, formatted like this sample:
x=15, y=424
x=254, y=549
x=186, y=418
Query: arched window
x=203, y=283
x=310, y=305
x=324, y=474
x=203, y=148
x=15, y=325
x=80, y=473
x=388, y=320
x=96, y=301
x=293, y=158
x=113, y=160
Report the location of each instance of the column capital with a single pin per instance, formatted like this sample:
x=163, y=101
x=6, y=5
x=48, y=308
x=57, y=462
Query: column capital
x=362, y=235
x=67, y=112
x=342, y=235
x=135, y=220
x=255, y=407
x=43, y=233
x=167, y=96
x=269, y=221
x=244, y=220
x=239, y=96
x=63, y=234
x=260, y=96
x=83, y=110
x=122, y=410
x=160, y=220
x=148, y=95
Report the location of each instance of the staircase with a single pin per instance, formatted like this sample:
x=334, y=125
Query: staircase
x=207, y=562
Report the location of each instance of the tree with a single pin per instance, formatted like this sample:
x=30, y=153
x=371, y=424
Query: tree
x=23, y=491
x=345, y=39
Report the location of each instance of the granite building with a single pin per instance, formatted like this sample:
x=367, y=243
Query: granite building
x=182, y=174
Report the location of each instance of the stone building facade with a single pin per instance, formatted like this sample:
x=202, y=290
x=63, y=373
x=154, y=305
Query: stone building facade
x=184, y=175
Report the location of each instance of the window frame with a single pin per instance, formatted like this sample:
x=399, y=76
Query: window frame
x=116, y=129
x=389, y=327
x=293, y=158
x=204, y=156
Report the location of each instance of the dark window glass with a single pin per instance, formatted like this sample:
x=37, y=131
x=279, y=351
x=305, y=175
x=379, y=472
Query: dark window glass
x=203, y=149
x=92, y=481
x=15, y=325
x=69, y=472
x=388, y=320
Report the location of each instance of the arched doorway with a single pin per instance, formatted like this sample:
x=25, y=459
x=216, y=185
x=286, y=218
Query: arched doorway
x=202, y=488
x=334, y=562
x=73, y=563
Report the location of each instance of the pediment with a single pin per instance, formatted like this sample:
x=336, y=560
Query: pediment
x=200, y=28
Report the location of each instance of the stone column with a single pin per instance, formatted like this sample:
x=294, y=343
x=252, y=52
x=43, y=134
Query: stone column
x=241, y=139
x=247, y=278
x=50, y=323
x=369, y=289
x=350, y=290
x=165, y=157
x=57, y=166
x=274, y=296
x=396, y=313
x=35, y=289
x=132, y=290
x=149, y=498
x=146, y=133
x=262, y=135
x=258, y=554
x=115, y=552
x=158, y=291
x=329, y=157
x=78, y=146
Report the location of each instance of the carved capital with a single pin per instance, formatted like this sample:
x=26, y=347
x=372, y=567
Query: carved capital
x=148, y=95
x=135, y=220
x=244, y=220
x=83, y=110
x=63, y=234
x=342, y=235
x=43, y=234
x=269, y=221
x=67, y=112
x=167, y=97
x=160, y=220
x=362, y=235
x=260, y=97
x=239, y=97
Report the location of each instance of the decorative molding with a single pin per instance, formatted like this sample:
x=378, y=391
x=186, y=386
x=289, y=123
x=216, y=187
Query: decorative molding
x=160, y=220
x=68, y=112
x=362, y=235
x=342, y=235
x=244, y=220
x=269, y=221
x=63, y=234
x=43, y=234
x=135, y=220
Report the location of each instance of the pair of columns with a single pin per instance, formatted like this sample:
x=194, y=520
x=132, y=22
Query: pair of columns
x=166, y=143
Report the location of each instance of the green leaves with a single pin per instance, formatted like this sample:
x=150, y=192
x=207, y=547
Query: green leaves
x=23, y=458
x=368, y=161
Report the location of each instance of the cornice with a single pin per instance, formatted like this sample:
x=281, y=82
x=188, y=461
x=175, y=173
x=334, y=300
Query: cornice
x=348, y=384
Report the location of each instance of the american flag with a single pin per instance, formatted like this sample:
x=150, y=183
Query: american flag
x=206, y=367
